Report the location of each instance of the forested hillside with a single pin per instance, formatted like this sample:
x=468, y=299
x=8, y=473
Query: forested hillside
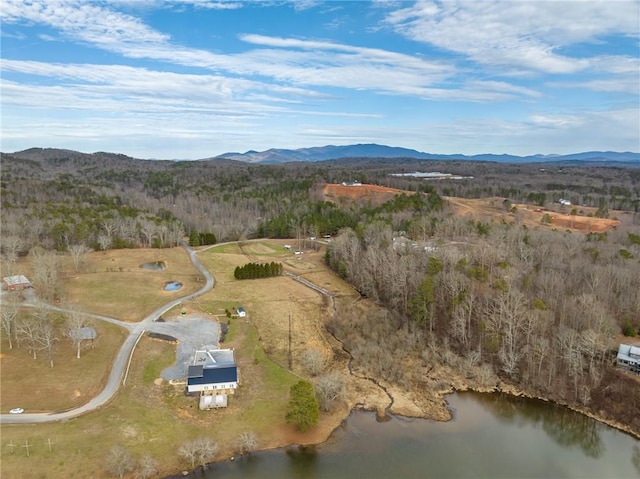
x=538, y=307
x=58, y=198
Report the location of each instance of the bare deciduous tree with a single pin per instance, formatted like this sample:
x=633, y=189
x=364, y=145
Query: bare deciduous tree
x=148, y=229
x=189, y=452
x=8, y=313
x=11, y=245
x=247, y=442
x=207, y=450
x=329, y=388
x=45, y=337
x=104, y=241
x=119, y=461
x=79, y=253
x=27, y=329
x=313, y=362
x=45, y=272
x=75, y=324
x=147, y=467
x=109, y=228
x=198, y=451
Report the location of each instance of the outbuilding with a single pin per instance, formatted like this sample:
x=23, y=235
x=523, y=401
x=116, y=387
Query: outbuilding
x=241, y=312
x=15, y=283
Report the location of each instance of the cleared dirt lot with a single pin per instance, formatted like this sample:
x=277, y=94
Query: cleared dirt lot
x=491, y=210
x=485, y=209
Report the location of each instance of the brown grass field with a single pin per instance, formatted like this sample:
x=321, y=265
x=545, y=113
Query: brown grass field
x=114, y=285
x=36, y=387
x=150, y=416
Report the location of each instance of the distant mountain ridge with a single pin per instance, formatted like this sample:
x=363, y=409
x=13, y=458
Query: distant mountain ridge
x=372, y=150
x=359, y=151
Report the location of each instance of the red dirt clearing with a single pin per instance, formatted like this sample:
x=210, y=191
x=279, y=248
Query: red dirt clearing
x=485, y=209
x=361, y=194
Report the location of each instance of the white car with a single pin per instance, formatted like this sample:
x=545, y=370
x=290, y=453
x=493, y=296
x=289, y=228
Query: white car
x=17, y=410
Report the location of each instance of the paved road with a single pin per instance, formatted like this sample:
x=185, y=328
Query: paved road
x=121, y=363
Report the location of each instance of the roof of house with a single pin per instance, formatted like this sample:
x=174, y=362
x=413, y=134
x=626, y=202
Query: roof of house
x=198, y=374
x=17, y=279
x=240, y=309
x=626, y=351
x=85, y=332
x=212, y=356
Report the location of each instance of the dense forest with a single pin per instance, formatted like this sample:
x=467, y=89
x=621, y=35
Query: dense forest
x=539, y=308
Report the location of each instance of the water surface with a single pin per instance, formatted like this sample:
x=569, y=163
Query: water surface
x=154, y=265
x=172, y=286
x=491, y=436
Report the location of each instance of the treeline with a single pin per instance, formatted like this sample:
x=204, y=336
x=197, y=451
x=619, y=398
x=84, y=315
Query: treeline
x=539, y=308
x=258, y=270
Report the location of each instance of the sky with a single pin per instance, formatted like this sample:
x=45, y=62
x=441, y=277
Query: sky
x=192, y=79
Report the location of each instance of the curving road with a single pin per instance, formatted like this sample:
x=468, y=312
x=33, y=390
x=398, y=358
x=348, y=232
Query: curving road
x=121, y=363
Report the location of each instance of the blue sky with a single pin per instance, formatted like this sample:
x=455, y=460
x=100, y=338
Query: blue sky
x=195, y=78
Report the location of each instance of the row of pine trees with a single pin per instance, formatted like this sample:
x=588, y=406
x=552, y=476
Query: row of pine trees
x=258, y=270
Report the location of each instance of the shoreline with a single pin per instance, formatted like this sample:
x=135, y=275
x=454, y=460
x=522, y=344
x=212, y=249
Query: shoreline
x=441, y=412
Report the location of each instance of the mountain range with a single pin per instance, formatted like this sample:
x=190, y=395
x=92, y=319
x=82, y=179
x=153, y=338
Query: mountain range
x=372, y=150
x=361, y=151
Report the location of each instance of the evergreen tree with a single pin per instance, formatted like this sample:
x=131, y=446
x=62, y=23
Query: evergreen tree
x=303, y=409
x=194, y=238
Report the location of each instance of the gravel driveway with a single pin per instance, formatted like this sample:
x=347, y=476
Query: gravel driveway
x=193, y=332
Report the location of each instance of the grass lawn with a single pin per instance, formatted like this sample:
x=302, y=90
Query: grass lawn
x=35, y=386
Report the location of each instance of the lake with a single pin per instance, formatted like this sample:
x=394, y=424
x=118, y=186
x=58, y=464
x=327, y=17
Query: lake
x=490, y=436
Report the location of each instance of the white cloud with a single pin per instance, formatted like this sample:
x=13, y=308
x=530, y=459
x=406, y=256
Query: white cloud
x=516, y=34
x=84, y=21
x=542, y=132
x=151, y=83
x=286, y=60
x=281, y=90
x=210, y=4
x=301, y=5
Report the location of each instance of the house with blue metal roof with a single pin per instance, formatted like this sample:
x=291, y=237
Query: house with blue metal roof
x=213, y=376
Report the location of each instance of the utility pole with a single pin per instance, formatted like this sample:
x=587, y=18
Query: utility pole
x=289, y=341
x=27, y=446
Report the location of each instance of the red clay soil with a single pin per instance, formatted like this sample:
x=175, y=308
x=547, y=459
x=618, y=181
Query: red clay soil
x=486, y=209
x=361, y=194
x=583, y=224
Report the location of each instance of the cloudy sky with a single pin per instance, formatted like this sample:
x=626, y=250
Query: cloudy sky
x=196, y=78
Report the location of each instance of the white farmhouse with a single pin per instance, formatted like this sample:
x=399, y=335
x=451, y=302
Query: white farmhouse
x=214, y=376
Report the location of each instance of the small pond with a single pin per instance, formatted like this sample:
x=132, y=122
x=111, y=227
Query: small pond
x=172, y=286
x=154, y=265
